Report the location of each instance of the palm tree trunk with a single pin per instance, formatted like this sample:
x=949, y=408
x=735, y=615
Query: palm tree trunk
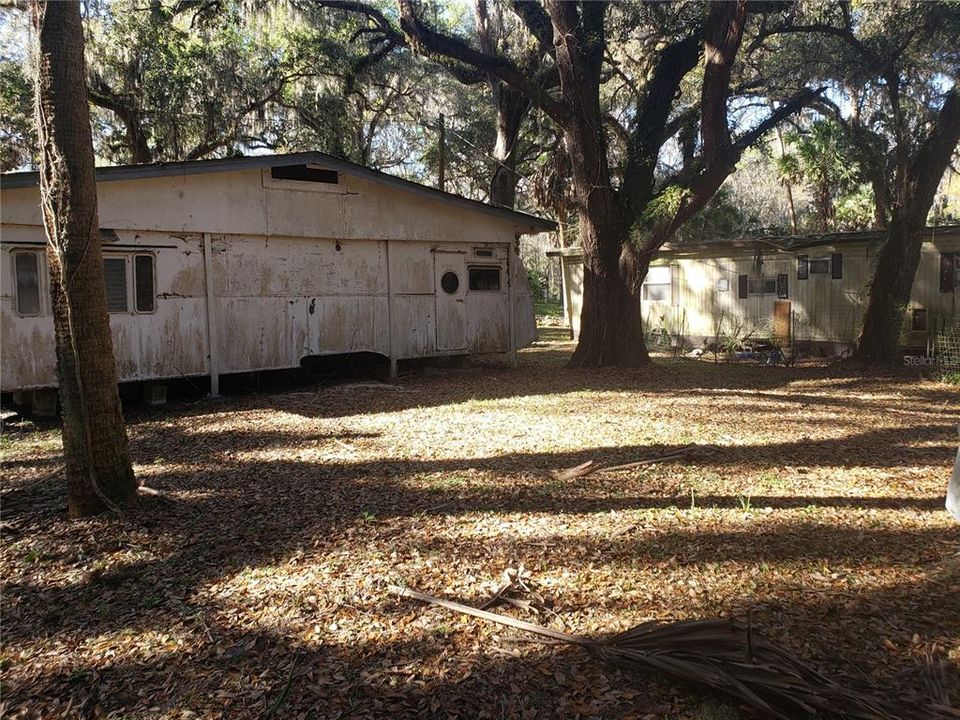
x=98, y=469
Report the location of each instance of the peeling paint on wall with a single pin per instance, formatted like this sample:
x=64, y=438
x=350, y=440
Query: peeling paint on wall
x=279, y=291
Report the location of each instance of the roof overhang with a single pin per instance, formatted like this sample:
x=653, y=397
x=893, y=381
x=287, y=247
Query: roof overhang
x=776, y=243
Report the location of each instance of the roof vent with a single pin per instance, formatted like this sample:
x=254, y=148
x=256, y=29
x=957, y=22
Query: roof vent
x=305, y=173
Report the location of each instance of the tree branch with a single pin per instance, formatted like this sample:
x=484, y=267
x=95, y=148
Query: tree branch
x=380, y=21
x=102, y=95
x=649, y=131
x=722, y=37
x=931, y=160
x=845, y=34
x=537, y=23
x=446, y=48
x=785, y=110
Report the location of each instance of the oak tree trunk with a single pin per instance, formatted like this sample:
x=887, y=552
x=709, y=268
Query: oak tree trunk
x=610, y=329
x=98, y=469
x=890, y=292
x=897, y=264
x=512, y=108
x=611, y=332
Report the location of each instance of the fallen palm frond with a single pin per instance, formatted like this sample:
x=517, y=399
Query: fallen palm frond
x=720, y=654
x=589, y=467
x=514, y=579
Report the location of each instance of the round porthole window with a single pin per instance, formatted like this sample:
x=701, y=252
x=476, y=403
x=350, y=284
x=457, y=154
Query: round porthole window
x=450, y=282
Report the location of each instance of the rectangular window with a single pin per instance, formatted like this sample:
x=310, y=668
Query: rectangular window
x=723, y=285
x=803, y=267
x=143, y=283
x=819, y=266
x=762, y=285
x=782, y=288
x=485, y=279
x=27, y=268
x=836, y=266
x=115, y=282
x=918, y=320
x=949, y=272
x=657, y=284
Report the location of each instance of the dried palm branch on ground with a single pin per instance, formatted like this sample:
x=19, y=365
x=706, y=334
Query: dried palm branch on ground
x=589, y=468
x=720, y=654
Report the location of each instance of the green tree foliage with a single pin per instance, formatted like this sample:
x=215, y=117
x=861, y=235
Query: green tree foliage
x=18, y=137
x=171, y=83
x=824, y=159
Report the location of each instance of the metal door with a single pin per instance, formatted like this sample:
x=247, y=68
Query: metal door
x=450, y=279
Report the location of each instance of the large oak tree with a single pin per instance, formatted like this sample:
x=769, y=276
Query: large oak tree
x=894, y=69
x=627, y=208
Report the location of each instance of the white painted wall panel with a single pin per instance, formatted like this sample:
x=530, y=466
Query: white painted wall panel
x=296, y=271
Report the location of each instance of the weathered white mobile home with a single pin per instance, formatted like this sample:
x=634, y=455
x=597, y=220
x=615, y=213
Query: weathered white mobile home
x=244, y=264
x=810, y=289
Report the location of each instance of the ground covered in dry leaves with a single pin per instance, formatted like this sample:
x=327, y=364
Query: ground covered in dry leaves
x=812, y=504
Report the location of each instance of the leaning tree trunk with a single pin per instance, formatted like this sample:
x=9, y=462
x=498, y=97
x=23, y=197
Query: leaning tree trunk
x=98, y=470
x=890, y=292
x=512, y=109
x=897, y=265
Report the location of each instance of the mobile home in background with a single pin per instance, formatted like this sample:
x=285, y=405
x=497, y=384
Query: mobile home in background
x=808, y=291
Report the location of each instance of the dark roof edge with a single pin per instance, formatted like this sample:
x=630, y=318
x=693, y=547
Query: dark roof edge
x=253, y=162
x=786, y=243
x=798, y=242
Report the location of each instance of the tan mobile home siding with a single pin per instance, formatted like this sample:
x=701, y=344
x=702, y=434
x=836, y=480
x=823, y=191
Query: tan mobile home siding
x=705, y=293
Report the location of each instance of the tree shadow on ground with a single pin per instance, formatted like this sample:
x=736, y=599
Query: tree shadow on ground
x=453, y=666
x=534, y=378
x=232, y=515
x=237, y=525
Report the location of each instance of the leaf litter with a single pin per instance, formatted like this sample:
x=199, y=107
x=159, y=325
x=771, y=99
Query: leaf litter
x=807, y=500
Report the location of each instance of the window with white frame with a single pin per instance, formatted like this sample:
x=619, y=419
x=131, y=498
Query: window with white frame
x=117, y=273
x=819, y=265
x=115, y=283
x=26, y=266
x=144, y=284
x=658, y=286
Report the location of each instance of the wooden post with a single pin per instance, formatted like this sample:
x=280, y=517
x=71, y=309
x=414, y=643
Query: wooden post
x=211, y=316
x=443, y=157
x=390, y=314
x=511, y=299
